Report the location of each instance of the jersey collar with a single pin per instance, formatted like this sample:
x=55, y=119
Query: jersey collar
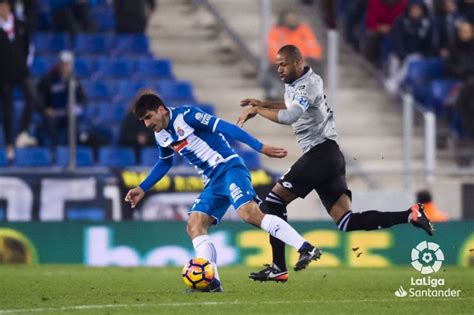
x=307, y=74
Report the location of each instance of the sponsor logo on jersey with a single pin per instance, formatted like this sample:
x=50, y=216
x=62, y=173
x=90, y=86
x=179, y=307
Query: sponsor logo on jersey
x=203, y=118
x=235, y=192
x=179, y=145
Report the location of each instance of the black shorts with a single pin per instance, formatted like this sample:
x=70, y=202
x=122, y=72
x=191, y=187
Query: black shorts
x=323, y=168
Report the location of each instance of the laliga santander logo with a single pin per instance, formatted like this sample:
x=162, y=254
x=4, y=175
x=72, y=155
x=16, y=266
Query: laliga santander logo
x=427, y=257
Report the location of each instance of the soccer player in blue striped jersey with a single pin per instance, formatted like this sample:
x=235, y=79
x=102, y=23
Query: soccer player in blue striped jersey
x=201, y=139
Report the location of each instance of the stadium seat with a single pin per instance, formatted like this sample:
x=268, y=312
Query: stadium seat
x=37, y=156
x=420, y=73
x=116, y=68
x=51, y=43
x=42, y=65
x=136, y=44
x=153, y=69
x=109, y=113
x=438, y=92
x=175, y=91
x=127, y=89
x=84, y=156
x=116, y=157
x=104, y=19
x=149, y=156
x=99, y=90
x=3, y=157
x=93, y=44
x=85, y=67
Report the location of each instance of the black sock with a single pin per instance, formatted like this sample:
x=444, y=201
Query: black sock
x=371, y=220
x=277, y=206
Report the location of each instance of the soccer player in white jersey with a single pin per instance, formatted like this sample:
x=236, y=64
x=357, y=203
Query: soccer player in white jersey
x=321, y=167
x=201, y=138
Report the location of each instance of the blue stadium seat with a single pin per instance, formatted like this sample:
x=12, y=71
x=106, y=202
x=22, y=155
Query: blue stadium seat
x=154, y=69
x=116, y=68
x=136, y=44
x=420, y=73
x=85, y=67
x=99, y=90
x=37, y=156
x=86, y=214
x=104, y=19
x=172, y=91
x=42, y=65
x=109, y=113
x=149, y=156
x=84, y=156
x=127, y=89
x=438, y=91
x=116, y=157
x=93, y=44
x=250, y=157
x=3, y=157
x=51, y=43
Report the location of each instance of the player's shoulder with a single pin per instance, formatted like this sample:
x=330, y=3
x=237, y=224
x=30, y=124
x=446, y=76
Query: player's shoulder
x=310, y=83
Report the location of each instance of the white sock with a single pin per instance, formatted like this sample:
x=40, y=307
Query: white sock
x=204, y=248
x=282, y=230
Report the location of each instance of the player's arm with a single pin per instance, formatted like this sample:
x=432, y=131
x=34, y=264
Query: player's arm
x=234, y=132
x=259, y=103
x=156, y=174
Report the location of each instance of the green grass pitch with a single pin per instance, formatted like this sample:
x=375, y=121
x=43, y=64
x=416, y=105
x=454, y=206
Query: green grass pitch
x=59, y=289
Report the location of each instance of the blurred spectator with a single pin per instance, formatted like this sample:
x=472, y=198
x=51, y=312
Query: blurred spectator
x=329, y=11
x=424, y=197
x=466, y=8
x=447, y=19
x=14, y=42
x=134, y=133
x=53, y=90
x=132, y=16
x=460, y=65
x=289, y=30
x=354, y=15
x=380, y=16
x=413, y=38
x=71, y=16
x=26, y=11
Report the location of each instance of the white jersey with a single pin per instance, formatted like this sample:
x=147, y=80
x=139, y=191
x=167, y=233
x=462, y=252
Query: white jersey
x=317, y=122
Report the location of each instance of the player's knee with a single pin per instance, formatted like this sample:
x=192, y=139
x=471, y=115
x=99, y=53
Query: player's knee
x=251, y=214
x=194, y=230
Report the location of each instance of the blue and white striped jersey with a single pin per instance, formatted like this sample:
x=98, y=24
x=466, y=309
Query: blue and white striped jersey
x=192, y=134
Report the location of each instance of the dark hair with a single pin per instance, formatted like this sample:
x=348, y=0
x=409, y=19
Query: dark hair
x=145, y=102
x=292, y=51
x=423, y=196
x=5, y=1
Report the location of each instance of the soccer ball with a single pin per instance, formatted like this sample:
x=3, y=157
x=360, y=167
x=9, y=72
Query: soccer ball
x=198, y=273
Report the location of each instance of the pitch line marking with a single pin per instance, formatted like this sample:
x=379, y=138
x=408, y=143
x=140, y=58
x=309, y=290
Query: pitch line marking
x=185, y=304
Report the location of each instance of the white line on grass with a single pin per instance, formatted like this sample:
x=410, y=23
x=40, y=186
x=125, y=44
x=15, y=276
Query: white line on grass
x=185, y=304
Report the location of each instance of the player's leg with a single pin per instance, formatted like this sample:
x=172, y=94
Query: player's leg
x=373, y=219
x=206, y=211
x=275, y=204
x=275, y=226
x=337, y=198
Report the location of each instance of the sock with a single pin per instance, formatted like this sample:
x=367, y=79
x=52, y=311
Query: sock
x=277, y=206
x=204, y=248
x=371, y=220
x=282, y=230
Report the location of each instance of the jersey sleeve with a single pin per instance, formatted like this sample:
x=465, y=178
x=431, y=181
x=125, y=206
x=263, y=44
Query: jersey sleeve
x=200, y=120
x=165, y=153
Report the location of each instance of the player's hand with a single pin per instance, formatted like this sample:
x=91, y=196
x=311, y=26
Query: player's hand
x=250, y=101
x=134, y=196
x=273, y=152
x=245, y=115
